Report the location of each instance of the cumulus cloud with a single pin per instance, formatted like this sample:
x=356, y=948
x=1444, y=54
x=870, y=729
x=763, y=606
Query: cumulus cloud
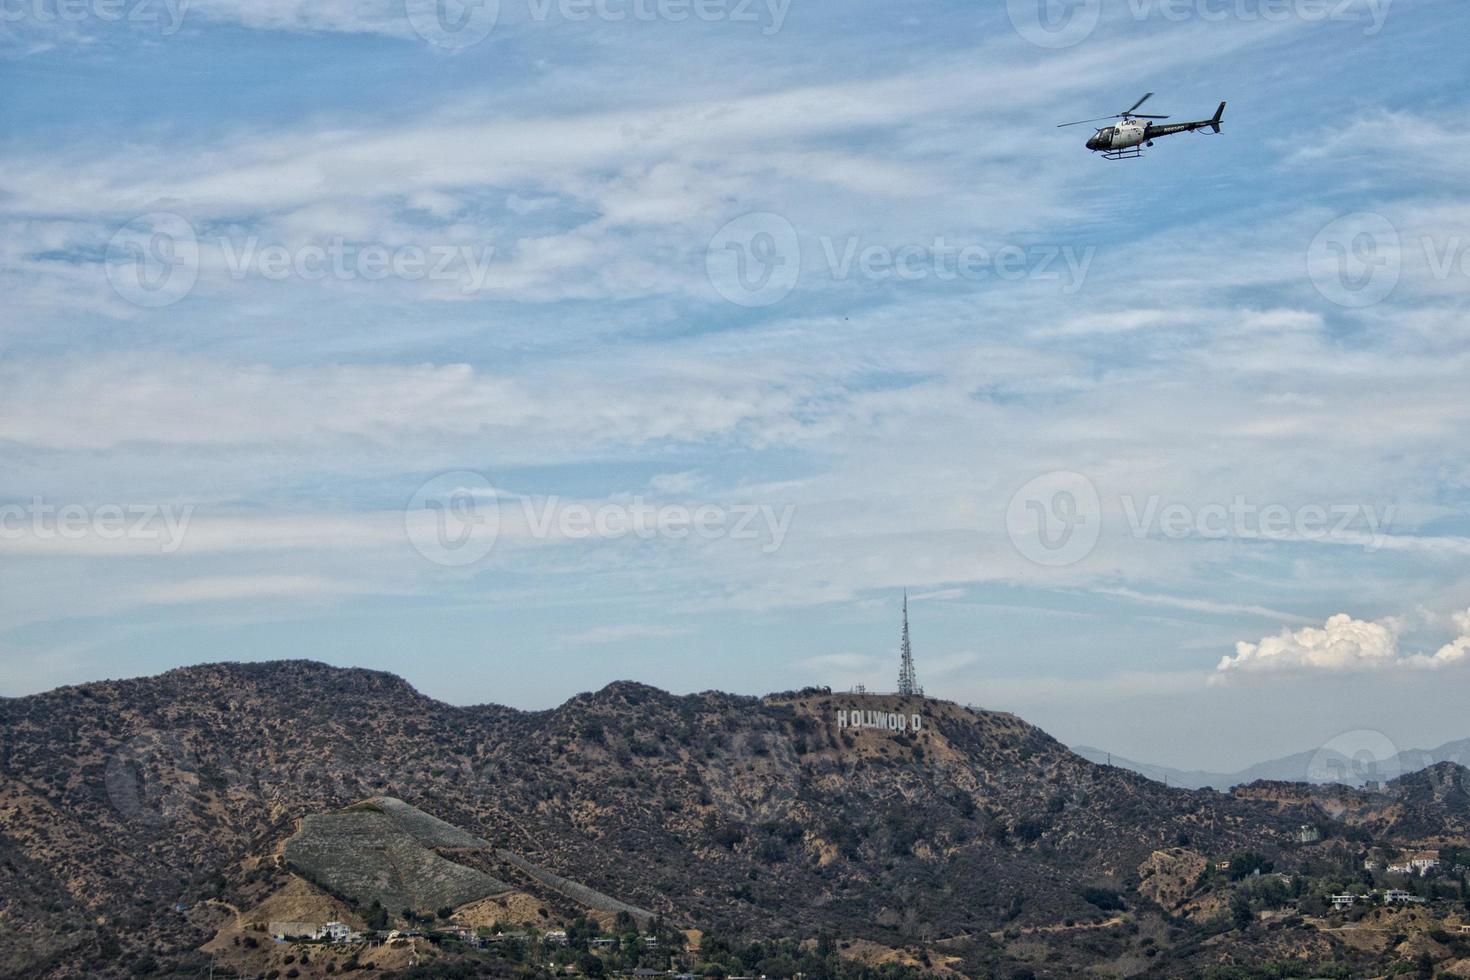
x=1343, y=645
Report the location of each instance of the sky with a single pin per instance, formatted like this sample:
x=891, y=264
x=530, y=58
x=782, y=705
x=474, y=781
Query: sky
x=522, y=346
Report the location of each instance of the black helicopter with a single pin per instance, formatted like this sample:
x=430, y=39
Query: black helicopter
x=1126, y=139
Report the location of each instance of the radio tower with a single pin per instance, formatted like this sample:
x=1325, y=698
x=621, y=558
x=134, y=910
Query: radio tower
x=907, y=682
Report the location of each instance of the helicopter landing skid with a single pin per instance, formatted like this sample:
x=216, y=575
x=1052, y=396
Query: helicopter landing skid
x=1127, y=153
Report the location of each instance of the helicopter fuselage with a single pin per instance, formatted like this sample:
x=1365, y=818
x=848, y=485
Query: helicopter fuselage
x=1130, y=132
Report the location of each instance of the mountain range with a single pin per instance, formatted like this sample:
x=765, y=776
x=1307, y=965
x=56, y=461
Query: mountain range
x=1318, y=766
x=145, y=819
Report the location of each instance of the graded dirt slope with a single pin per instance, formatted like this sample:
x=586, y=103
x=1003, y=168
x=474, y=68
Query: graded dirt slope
x=382, y=850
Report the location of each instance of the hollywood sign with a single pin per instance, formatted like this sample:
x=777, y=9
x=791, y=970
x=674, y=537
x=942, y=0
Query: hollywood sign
x=891, y=721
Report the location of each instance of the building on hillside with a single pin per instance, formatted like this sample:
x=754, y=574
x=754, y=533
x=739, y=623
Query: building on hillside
x=1307, y=834
x=557, y=937
x=1343, y=902
x=1425, y=862
x=340, y=932
x=295, y=930
x=1397, y=896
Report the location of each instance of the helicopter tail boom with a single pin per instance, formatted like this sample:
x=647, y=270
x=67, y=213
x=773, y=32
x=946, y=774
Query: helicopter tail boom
x=1219, y=115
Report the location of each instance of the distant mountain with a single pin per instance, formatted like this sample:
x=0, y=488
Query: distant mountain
x=1319, y=766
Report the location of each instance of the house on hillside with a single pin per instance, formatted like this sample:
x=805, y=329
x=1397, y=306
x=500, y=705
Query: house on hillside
x=1307, y=834
x=340, y=932
x=557, y=937
x=1397, y=896
x=1343, y=902
x=1425, y=862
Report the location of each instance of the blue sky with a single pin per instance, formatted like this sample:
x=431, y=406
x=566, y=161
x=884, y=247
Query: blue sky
x=1110, y=423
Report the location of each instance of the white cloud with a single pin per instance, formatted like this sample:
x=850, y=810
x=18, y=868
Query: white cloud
x=233, y=588
x=938, y=594
x=1342, y=645
x=1203, y=605
x=599, y=635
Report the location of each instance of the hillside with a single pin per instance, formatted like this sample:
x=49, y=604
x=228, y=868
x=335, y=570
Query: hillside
x=750, y=817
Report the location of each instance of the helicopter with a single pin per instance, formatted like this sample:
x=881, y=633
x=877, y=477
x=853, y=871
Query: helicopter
x=1126, y=139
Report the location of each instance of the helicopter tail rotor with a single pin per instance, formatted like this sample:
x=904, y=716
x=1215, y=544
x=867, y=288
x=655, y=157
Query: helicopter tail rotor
x=1219, y=115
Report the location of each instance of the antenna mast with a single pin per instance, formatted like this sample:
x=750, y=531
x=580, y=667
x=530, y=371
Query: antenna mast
x=908, y=682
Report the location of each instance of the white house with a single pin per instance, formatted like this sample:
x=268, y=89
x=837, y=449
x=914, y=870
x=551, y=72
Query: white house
x=339, y=932
x=1425, y=863
x=1343, y=902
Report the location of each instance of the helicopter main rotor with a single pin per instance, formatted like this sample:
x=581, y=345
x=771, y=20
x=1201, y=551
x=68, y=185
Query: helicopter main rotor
x=1127, y=113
